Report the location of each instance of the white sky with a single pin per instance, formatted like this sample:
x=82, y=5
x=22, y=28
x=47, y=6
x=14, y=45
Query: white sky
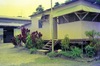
x=23, y=7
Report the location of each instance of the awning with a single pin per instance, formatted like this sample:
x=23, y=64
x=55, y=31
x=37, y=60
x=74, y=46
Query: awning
x=74, y=9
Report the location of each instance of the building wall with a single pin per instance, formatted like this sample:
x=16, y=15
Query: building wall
x=72, y=29
x=45, y=30
x=88, y=26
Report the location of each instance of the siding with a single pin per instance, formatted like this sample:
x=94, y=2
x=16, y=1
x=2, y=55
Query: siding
x=87, y=26
x=72, y=29
x=45, y=30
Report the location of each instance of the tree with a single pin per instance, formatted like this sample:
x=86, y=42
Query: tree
x=56, y=4
x=39, y=9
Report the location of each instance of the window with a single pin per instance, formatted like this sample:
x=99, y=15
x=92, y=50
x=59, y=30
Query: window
x=45, y=18
x=40, y=24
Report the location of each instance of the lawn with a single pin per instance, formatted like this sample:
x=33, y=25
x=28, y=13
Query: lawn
x=10, y=56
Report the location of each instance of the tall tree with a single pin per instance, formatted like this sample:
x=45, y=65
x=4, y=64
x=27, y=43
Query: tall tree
x=56, y=4
x=39, y=9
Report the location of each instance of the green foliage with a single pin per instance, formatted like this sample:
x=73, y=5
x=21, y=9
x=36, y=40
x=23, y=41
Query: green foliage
x=66, y=54
x=34, y=40
x=56, y=4
x=76, y=52
x=94, y=44
x=17, y=39
x=29, y=42
x=97, y=46
x=33, y=50
x=39, y=9
x=39, y=43
x=90, y=51
x=91, y=34
x=52, y=54
x=65, y=43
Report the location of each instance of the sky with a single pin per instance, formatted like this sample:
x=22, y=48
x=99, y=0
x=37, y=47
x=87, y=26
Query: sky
x=23, y=8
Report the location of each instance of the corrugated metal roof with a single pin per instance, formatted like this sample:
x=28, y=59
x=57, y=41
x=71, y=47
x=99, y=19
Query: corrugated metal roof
x=71, y=9
x=12, y=17
x=11, y=24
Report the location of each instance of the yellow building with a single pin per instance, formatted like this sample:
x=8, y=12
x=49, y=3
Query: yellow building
x=72, y=19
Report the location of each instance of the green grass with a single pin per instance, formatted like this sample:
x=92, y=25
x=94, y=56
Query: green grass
x=10, y=56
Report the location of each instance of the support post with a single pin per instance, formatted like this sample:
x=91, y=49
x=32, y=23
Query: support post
x=52, y=27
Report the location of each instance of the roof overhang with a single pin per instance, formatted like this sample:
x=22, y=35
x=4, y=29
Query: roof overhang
x=76, y=6
x=75, y=9
x=14, y=25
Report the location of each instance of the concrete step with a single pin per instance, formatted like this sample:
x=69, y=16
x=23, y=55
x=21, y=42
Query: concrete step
x=43, y=52
x=45, y=48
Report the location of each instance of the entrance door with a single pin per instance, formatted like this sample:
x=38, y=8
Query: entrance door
x=8, y=34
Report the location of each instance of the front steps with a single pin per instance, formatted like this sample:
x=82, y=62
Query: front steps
x=48, y=46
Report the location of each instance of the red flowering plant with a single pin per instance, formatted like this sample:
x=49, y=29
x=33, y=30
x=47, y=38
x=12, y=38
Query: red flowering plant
x=17, y=40
x=13, y=40
x=30, y=40
x=24, y=33
x=35, y=40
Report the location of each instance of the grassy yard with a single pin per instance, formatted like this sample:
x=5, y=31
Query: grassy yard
x=10, y=56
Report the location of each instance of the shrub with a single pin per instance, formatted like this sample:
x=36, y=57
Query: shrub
x=76, y=52
x=24, y=33
x=29, y=42
x=33, y=50
x=36, y=39
x=13, y=40
x=91, y=34
x=65, y=43
x=90, y=52
x=52, y=54
x=94, y=44
x=97, y=46
x=66, y=54
x=17, y=41
x=39, y=43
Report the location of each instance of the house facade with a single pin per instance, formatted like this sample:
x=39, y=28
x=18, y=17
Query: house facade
x=72, y=19
x=10, y=27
